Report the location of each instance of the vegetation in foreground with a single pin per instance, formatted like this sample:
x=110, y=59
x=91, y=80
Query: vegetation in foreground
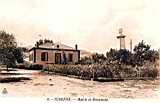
x=111, y=71
x=118, y=64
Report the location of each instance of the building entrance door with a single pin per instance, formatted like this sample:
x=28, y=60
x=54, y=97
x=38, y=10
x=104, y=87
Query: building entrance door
x=57, y=58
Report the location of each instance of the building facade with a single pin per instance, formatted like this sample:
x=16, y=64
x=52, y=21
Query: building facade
x=54, y=54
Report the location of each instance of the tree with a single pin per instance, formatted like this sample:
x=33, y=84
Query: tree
x=98, y=57
x=9, y=53
x=142, y=52
x=18, y=53
x=7, y=40
x=123, y=56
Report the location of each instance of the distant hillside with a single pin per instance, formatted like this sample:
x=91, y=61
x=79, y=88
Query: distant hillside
x=84, y=53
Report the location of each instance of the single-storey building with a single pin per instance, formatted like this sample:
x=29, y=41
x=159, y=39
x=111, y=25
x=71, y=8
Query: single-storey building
x=54, y=53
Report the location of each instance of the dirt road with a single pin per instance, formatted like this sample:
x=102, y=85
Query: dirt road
x=54, y=85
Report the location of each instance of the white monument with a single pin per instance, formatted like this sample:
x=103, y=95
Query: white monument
x=121, y=37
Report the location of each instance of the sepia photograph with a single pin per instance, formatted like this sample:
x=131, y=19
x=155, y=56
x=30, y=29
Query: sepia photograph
x=73, y=51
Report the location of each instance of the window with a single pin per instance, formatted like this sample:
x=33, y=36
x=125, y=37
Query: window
x=70, y=57
x=57, y=58
x=44, y=56
x=57, y=46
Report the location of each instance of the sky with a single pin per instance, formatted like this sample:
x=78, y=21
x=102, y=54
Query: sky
x=92, y=24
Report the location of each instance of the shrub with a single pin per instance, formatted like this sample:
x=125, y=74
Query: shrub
x=83, y=71
x=153, y=73
x=27, y=65
x=20, y=66
x=24, y=65
x=44, y=69
x=36, y=67
x=149, y=70
x=112, y=70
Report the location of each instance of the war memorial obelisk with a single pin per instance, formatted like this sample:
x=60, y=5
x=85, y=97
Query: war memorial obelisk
x=121, y=37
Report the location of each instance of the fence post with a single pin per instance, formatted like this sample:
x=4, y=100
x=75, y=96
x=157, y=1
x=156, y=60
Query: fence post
x=92, y=73
x=139, y=76
x=48, y=68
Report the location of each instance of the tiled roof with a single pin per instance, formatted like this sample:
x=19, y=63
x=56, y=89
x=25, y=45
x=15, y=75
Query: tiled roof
x=54, y=45
x=62, y=46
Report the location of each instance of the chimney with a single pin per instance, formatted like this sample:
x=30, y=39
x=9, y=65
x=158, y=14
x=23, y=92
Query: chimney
x=37, y=44
x=76, y=47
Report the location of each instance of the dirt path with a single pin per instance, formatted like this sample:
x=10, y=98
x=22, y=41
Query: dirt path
x=54, y=85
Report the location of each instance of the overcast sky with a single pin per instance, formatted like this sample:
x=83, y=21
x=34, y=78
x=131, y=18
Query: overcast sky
x=92, y=24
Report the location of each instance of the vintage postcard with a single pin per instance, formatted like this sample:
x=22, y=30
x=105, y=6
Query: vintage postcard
x=73, y=51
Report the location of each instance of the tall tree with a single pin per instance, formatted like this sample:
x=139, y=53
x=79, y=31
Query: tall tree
x=7, y=40
x=9, y=53
x=143, y=52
